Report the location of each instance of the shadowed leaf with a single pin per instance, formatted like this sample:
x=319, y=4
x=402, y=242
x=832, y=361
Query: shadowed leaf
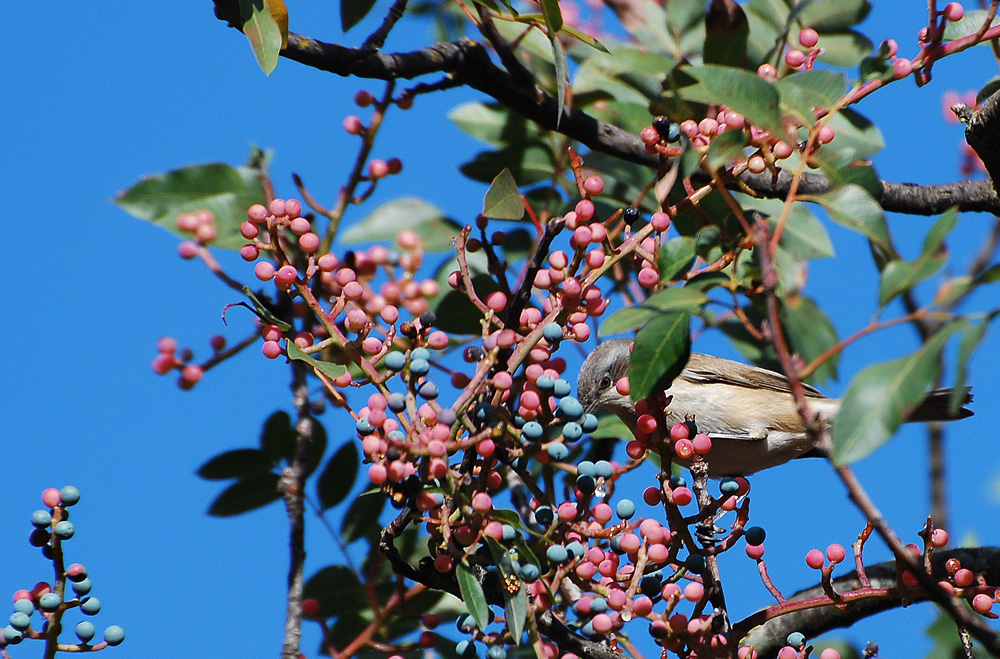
x=246, y=494
x=388, y=220
x=338, y=477
x=236, y=464
x=503, y=200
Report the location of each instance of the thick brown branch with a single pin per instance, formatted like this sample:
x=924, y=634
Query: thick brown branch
x=770, y=636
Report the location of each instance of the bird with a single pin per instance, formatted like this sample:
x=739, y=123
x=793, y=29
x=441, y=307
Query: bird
x=747, y=411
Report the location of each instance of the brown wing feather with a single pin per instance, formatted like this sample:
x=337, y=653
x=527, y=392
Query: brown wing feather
x=707, y=369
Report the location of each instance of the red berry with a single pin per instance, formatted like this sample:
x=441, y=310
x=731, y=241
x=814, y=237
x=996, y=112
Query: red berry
x=808, y=37
x=835, y=553
x=814, y=559
x=310, y=608
x=953, y=11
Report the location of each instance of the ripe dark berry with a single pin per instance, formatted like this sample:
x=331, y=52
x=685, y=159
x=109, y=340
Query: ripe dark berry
x=38, y=537
x=544, y=515
x=473, y=354
x=397, y=402
x=755, y=536
x=586, y=484
x=483, y=413
x=695, y=563
x=631, y=215
x=428, y=319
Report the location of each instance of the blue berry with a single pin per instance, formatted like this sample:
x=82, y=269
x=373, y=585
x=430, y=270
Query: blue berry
x=12, y=635
x=532, y=431
x=588, y=629
x=38, y=537
x=420, y=353
x=465, y=649
x=20, y=621
x=553, y=332
x=599, y=605
x=447, y=416
x=395, y=361
x=729, y=486
x=473, y=354
x=544, y=515
x=586, y=468
x=590, y=423
x=85, y=631
x=604, y=469
x=429, y=390
x=41, y=518
x=82, y=587
x=558, y=451
x=364, y=426
x=677, y=481
x=114, y=635
x=755, y=536
x=398, y=435
x=529, y=572
x=49, y=602
x=625, y=509
x=545, y=383
x=557, y=554
x=483, y=413
x=496, y=652
x=397, y=402
x=509, y=533
x=24, y=606
x=570, y=408
x=575, y=549
x=572, y=431
x=695, y=563
x=420, y=367
x=562, y=388
x=586, y=484
x=465, y=623
x=795, y=639
x=69, y=495
x=616, y=545
x=91, y=606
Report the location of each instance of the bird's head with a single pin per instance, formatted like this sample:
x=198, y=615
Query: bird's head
x=598, y=375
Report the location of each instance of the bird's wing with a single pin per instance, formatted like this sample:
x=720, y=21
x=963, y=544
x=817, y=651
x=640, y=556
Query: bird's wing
x=706, y=369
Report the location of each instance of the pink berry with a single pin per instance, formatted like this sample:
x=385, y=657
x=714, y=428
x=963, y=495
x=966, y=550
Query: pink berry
x=257, y=213
x=594, y=185
x=982, y=603
x=187, y=250
x=277, y=207
x=795, y=58
x=353, y=125
x=293, y=207
x=378, y=169
x=264, y=271
x=781, y=150
x=689, y=127
x=309, y=242
x=164, y=363
x=682, y=496
x=788, y=652
x=756, y=164
x=694, y=591
x=901, y=67
x=648, y=278
x=482, y=502
x=649, y=136
x=708, y=126
x=953, y=11
x=891, y=47
x=271, y=349
x=408, y=239
x=684, y=448
x=755, y=552
x=679, y=430
x=595, y=258
x=584, y=210
x=939, y=538
x=829, y=653
x=702, y=443
x=767, y=71
x=497, y=301
x=660, y=221
x=286, y=274
x=356, y=320
x=191, y=373
x=835, y=553
x=964, y=578
x=825, y=134
x=815, y=559
x=622, y=386
x=51, y=497
x=808, y=37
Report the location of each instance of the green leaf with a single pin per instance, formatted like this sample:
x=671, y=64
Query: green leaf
x=329, y=369
x=503, y=200
x=316, y=449
x=989, y=275
x=844, y=49
x=971, y=23
x=833, y=15
x=277, y=437
x=337, y=479
x=726, y=32
x=741, y=91
x=456, y=314
x=667, y=302
x=238, y=463
x=551, y=15
x=494, y=124
x=676, y=257
x=855, y=209
x=388, y=220
x=472, y=594
x=804, y=92
x=263, y=32
x=810, y=333
x=843, y=166
x=361, y=519
x=582, y=37
x=353, y=11
x=940, y=230
x=528, y=163
x=227, y=192
x=990, y=88
x=337, y=589
x=246, y=494
x=880, y=397
x=726, y=148
x=899, y=276
x=516, y=603
x=804, y=236
x=562, y=66
x=659, y=354
x=972, y=335
x=855, y=131
x=611, y=427
x=264, y=312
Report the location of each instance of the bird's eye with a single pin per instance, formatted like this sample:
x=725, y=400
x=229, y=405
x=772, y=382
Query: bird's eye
x=605, y=382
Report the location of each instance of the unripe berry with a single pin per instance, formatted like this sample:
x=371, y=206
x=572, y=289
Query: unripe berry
x=353, y=125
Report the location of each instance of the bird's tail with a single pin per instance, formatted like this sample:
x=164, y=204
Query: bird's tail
x=937, y=407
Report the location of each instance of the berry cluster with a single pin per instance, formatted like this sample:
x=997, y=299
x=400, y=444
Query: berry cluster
x=51, y=527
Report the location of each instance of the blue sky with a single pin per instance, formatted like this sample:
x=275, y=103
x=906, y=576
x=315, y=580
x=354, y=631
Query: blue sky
x=96, y=98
